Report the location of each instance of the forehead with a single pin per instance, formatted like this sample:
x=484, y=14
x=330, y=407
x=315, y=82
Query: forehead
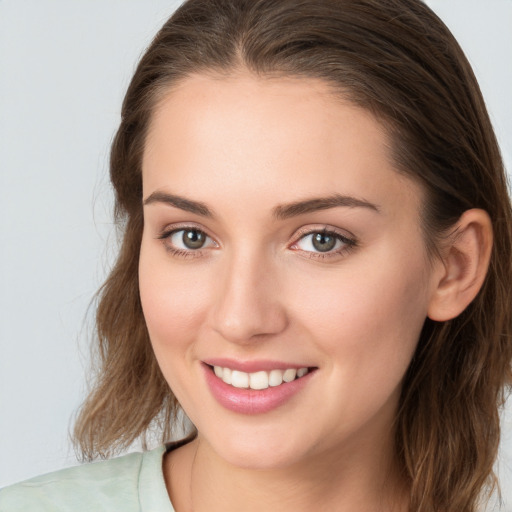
x=292, y=137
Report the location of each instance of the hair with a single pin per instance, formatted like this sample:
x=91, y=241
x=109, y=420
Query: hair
x=396, y=59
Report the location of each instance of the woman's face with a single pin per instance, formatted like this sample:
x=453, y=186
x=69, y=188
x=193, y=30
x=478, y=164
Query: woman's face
x=278, y=237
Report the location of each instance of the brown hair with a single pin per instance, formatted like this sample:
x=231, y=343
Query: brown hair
x=398, y=60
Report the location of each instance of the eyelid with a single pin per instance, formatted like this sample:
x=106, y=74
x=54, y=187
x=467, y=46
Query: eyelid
x=348, y=238
x=179, y=226
x=168, y=231
x=323, y=228
x=350, y=241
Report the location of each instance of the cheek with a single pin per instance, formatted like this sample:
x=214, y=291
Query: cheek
x=367, y=326
x=173, y=301
x=367, y=318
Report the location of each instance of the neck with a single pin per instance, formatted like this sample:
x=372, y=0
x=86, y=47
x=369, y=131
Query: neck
x=362, y=478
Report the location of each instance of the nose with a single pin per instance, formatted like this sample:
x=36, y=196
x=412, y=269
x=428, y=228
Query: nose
x=247, y=303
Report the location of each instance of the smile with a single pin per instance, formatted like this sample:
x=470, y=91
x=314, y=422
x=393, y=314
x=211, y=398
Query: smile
x=260, y=389
x=258, y=380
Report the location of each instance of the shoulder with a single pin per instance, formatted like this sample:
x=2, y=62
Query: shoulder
x=100, y=486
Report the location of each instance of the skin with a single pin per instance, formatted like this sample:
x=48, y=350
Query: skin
x=258, y=289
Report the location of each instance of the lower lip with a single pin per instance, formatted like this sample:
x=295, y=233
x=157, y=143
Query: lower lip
x=252, y=401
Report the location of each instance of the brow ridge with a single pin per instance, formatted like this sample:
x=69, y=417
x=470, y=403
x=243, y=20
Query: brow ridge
x=294, y=209
x=280, y=212
x=182, y=203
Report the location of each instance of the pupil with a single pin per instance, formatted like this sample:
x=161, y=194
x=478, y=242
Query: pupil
x=193, y=239
x=323, y=242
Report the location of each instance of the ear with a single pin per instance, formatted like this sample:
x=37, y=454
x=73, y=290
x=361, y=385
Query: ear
x=465, y=260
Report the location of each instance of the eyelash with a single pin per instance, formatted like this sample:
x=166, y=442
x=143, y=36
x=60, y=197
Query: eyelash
x=348, y=243
x=181, y=253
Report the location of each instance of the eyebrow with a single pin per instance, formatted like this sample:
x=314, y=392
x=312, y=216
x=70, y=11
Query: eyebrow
x=286, y=211
x=280, y=212
x=179, y=202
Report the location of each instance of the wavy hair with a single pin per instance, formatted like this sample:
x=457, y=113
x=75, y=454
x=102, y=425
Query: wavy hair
x=398, y=60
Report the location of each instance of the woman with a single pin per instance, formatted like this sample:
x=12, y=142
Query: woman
x=316, y=261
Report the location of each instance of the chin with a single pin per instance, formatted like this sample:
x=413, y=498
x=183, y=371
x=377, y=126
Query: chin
x=253, y=458
x=261, y=449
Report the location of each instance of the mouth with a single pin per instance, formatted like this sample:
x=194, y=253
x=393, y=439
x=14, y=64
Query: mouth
x=264, y=387
x=261, y=379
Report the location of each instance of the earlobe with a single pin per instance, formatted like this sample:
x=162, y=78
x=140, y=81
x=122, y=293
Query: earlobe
x=465, y=261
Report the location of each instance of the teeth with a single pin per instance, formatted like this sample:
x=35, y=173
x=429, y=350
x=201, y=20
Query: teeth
x=226, y=375
x=289, y=375
x=258, y=380
x=239, y=379
x=275, y=378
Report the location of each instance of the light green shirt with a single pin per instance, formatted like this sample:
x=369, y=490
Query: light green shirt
x=133, y=482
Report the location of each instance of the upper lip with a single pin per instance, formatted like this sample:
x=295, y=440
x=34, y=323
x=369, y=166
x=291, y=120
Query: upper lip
x=253, y=366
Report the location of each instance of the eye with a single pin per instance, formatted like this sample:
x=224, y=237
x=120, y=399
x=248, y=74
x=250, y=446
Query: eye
x=324, y=242
x=186, y=240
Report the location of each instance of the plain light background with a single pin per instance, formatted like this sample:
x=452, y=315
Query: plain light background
x=64, y=68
